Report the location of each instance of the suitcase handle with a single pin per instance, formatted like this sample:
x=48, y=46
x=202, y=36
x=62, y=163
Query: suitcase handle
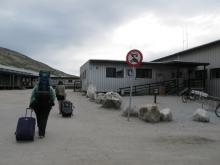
x=27, y=110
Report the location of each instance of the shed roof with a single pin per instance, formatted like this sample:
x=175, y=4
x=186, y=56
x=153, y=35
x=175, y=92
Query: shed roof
x=184, y=63
x=189, y=50
x=19, y=71
x=175, y=63
x=65, y=77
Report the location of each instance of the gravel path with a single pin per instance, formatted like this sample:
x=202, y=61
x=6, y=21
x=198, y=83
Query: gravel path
x=98, y=136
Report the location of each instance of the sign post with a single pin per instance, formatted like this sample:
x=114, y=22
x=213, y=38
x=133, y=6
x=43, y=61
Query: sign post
x=134, y=59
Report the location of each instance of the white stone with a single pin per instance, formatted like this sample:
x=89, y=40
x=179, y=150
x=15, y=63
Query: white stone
x=166, y=115
x=99, y=98
x=149, y=113
x=91, y=92
x=201, y=115
x=112, y=100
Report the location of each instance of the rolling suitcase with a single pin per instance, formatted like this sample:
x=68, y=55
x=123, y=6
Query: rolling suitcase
x=25, y=128
x=67, y=108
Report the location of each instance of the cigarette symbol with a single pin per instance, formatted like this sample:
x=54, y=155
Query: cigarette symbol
x=134, y=57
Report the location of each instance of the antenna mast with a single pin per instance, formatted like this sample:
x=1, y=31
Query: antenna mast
x=185, y=37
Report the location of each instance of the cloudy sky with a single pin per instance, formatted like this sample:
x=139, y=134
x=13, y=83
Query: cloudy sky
x=66, y=33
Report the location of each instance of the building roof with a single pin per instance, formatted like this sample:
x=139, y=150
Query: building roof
x=65, y=77
x=95, y=61
x=20, y=71
x=190, y=50
x=175, y=63
x=184, y=63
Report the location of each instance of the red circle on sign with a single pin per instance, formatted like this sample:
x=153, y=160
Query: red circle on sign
x=134, y=58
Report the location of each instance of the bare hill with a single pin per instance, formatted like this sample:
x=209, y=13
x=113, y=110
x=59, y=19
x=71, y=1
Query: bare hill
x=12, y=58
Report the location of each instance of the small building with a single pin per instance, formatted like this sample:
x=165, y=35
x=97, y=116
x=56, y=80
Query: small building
x=110, y=75
x=208, y=53
x=17, y=78
x=68, y=81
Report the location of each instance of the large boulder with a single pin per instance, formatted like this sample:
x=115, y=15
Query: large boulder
x=149, y=113
x=133, y=112
x=100, y=98
x=112, y=100
x=201, y=115
x=141, y=112
x=166, y=115
x=91, y=92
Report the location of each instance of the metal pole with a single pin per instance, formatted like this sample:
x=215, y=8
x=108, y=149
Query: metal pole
x=130, y=99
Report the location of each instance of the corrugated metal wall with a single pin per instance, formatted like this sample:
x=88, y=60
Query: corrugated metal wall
x=104, y=84
x=209, y=54
x=85, y=78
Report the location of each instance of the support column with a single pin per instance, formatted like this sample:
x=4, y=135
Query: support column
x=189, y=79
x=13, y=81
x=10, y=84
x=204, y=78
x=177, y=80
x=32, y=82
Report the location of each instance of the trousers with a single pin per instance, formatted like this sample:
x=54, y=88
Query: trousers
x=42, y=115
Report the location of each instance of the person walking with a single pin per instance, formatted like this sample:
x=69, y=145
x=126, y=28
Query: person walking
x=42, y=100
x=60, y=94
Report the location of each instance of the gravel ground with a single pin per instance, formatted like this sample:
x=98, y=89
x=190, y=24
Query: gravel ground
x=98, y=136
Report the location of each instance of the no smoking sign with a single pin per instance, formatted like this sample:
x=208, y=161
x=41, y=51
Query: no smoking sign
x=134, y=58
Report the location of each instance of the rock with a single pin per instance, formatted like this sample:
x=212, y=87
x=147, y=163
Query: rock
x=100, y=98
x=133, y=112
x=149, y=113
x=166, y=115
x=201, y=115
x=91, y=92
x=142, y=111
x=112, y=100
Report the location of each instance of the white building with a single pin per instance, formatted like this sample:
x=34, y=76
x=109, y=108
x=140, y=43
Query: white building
x=209, y=53
x=109, y=75
x=68, y=81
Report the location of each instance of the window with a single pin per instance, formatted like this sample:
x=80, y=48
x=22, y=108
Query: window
x=215, y=73
x=110, y=72
x=143, y=73
x=129, y=72
x=179, y=74
x=120, y=73
x=113, y=72
x=173, y=75
x=199, y=74
x=70, y=81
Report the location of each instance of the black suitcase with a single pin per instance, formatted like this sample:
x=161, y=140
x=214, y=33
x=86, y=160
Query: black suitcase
x=67, y=108
x=25, y=128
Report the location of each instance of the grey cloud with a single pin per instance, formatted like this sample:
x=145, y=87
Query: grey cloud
x=32, y=26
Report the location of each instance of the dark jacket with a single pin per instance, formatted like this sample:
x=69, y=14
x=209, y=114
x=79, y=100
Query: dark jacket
x=34, y=102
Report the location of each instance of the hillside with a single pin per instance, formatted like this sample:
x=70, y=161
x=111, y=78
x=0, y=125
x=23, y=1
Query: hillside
x=12, y=58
